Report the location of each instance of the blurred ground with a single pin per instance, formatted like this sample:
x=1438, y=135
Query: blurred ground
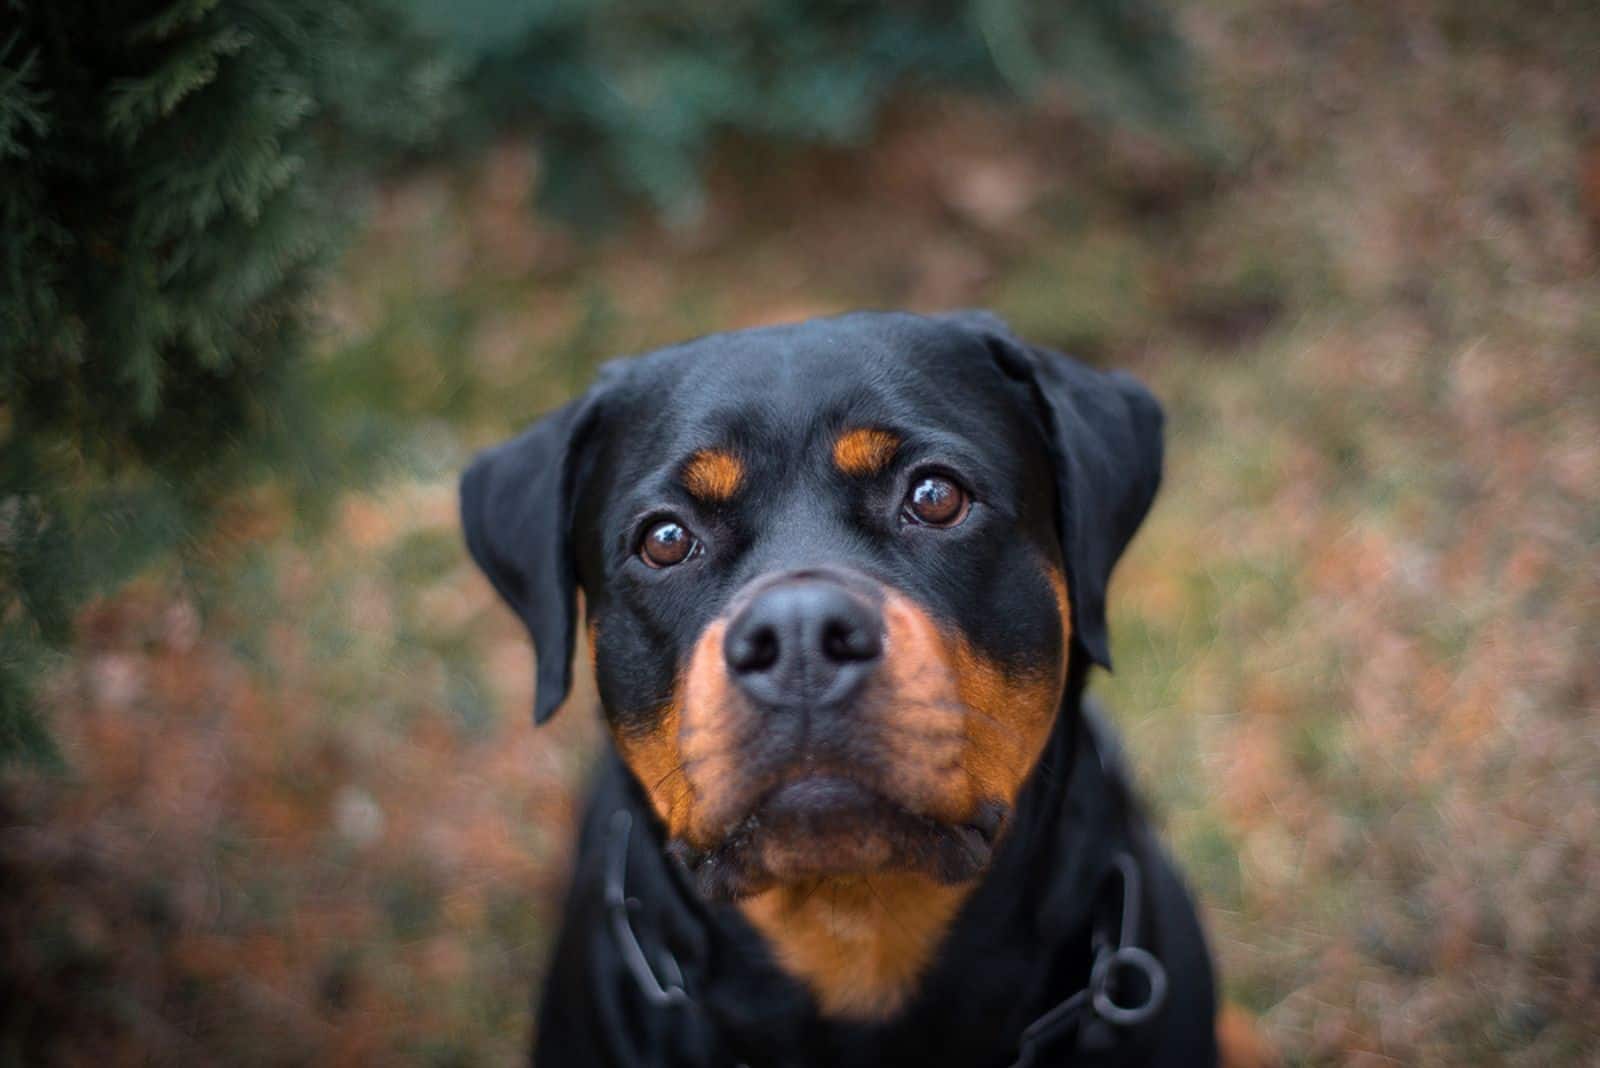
x=306, y=817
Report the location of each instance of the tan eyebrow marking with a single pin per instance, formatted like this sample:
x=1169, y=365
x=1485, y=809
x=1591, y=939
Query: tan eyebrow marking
x=864, y=451
x=713, y=474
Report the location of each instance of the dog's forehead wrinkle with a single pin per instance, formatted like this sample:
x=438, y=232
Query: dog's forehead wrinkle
x=781, y=442
x=795, y=534
x=782, y=389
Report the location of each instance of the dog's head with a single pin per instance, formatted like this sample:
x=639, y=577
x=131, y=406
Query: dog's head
x=833, y=575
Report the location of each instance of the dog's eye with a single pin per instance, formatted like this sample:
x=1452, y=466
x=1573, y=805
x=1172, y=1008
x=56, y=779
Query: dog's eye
x=936, y=501
x=667, y=542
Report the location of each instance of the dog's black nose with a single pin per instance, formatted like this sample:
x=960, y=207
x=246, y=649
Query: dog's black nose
x=808, y=641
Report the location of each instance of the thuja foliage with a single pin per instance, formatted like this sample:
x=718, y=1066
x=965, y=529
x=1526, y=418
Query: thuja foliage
x=172, y=176
x=626, y=96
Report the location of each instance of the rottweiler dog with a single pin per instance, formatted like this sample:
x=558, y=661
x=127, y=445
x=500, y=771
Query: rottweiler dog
x=843, y=584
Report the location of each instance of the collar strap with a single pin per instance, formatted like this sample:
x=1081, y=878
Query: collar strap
x=619, y=905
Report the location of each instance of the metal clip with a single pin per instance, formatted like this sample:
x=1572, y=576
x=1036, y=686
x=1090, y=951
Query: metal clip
x=1112, y=964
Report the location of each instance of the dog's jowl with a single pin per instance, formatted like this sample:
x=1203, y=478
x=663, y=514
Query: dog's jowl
x=843, y=583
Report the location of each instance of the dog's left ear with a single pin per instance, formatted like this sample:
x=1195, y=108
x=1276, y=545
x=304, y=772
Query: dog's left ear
x=516, y=507
x=1104, y=431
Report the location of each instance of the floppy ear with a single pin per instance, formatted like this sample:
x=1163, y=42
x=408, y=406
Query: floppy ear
x=516, y=507
x=1104, y=431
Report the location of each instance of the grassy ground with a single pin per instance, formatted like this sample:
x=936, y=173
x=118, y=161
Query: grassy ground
x=306, y=817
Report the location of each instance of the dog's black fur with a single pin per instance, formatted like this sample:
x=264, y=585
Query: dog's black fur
x=1063, y=462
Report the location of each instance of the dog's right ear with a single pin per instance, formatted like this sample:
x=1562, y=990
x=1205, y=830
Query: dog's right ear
x=516, y=507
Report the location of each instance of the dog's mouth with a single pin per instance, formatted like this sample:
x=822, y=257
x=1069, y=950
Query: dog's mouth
x=831, y=826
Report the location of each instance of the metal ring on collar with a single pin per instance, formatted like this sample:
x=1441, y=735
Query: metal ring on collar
x=1105, y=970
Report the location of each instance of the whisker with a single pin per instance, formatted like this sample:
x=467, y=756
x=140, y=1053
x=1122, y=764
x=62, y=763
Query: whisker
x=816, y=884
x=1004, y=726
x=1021, y=742
x=966, y=709
x=893, y=730
x=679, y=770
x=678, y=798
x=922, y=702
x=887, y=911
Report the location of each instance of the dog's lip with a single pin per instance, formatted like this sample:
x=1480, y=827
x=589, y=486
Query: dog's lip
x=805, y=804
x=816, y=796
x=824, y=805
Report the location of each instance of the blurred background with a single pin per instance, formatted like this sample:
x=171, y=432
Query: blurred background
x=272, y=269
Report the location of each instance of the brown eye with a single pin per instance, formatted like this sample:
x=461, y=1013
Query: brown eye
x=936, y=502
x=666, y=543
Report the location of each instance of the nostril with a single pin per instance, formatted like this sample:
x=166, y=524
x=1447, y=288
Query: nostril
x=755, y=649
x=803, y=643
x=844, y=641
